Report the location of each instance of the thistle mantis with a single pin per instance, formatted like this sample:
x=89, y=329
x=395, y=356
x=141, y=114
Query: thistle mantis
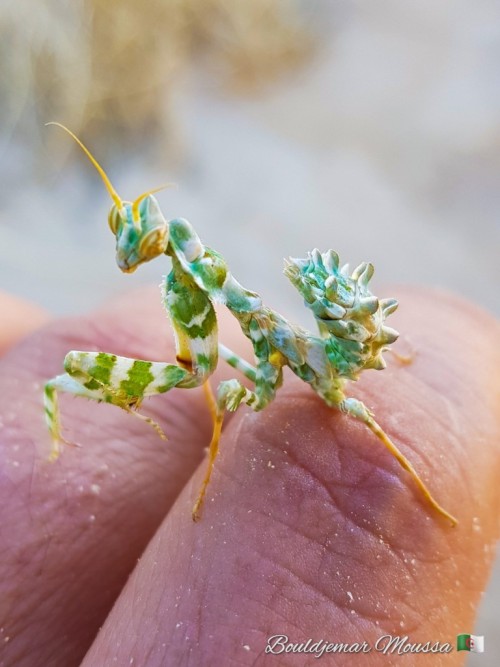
x=352, y=335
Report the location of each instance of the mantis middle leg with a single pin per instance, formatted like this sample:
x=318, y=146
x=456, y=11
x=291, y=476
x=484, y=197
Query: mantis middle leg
x=230, y=395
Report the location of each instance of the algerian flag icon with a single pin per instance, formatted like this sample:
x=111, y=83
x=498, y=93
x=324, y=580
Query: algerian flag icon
x=470, y=643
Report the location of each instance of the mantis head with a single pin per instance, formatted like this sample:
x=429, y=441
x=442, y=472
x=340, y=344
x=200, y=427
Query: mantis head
x=140, y=229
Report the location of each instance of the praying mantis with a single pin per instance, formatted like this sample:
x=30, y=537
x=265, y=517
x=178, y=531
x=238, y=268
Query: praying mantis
x=352, y=335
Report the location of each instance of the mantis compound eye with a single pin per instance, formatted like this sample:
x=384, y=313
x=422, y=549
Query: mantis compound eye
x=154, y=243
x=114, y=219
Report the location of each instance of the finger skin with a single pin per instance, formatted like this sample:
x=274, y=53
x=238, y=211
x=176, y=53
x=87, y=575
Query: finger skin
x=18, y=319
x=71, y=531
x=312, y=530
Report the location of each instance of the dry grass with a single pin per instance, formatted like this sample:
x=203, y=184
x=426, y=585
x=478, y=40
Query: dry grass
x=110, y=68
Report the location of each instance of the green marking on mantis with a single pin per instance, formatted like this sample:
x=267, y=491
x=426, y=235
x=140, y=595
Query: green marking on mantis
x=139, y=377
x=351, y=337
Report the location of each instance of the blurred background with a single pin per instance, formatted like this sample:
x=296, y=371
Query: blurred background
x=370, y=128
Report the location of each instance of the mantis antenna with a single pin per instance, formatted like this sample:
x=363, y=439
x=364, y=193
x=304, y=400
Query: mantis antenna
x=112, y=192
x=135, y=205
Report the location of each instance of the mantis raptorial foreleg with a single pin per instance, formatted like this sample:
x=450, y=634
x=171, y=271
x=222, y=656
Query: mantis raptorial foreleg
x=126, y=382
x=62, y=383
x=106, y=377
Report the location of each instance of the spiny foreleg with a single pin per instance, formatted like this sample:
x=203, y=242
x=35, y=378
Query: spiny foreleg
x=70, y=385
x=359, y=411
x=106, y=377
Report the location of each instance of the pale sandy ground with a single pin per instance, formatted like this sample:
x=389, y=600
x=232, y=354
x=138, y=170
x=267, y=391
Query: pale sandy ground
x=386, y=148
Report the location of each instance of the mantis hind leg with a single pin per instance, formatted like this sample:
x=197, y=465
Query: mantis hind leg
x=359, y=411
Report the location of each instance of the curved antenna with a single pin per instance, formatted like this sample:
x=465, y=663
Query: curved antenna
x=112, y=192
x=135, y=205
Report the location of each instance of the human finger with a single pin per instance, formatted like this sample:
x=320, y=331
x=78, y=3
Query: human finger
x=72, y=530
x=312, y=530
x=19, y=318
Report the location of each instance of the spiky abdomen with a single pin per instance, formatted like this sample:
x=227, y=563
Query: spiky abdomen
x=350, y=318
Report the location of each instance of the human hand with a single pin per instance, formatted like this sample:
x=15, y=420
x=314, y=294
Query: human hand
x=310, y=528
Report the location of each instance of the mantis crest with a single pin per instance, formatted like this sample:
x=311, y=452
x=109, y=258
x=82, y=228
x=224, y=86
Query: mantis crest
x=352, y=334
